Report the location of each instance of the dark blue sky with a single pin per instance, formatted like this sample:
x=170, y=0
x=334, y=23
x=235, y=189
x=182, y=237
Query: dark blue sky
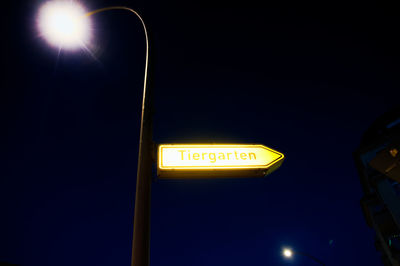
x=306, y=80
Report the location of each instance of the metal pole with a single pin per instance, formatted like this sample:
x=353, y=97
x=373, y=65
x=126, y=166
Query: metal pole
x=141, y=224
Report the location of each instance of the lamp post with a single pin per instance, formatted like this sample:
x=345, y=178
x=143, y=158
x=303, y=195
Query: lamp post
x=288, y=253
x=71, y=32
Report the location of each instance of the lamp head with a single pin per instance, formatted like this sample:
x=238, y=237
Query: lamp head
x=64, y=24
x=287, y=252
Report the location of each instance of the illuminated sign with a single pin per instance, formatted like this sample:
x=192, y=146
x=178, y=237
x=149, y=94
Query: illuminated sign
x=216, y=160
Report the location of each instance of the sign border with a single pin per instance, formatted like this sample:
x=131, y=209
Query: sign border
x=180, y=172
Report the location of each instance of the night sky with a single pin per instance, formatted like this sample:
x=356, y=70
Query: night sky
x=305, y=79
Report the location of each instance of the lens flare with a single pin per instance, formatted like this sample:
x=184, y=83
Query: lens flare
x=64, y=24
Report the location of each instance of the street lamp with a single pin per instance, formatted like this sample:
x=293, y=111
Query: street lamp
x=289, y=253
x=66, y=24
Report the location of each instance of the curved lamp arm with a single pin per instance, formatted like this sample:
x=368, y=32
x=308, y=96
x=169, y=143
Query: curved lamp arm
x=145, y=33
x=309, y=256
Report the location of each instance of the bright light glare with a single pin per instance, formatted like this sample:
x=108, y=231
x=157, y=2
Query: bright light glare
x=288, y=253
x=64, y=24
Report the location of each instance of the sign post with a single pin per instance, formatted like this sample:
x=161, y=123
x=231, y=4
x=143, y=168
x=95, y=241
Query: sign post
x=180, y=161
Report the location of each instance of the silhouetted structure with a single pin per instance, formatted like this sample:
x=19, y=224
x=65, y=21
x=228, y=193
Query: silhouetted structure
x=378, y=163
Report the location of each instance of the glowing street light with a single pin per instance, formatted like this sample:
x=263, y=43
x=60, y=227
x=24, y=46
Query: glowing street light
x=66, y=24
x=289, y=253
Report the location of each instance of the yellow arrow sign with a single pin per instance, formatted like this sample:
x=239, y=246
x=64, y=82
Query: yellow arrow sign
x=216, y=160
